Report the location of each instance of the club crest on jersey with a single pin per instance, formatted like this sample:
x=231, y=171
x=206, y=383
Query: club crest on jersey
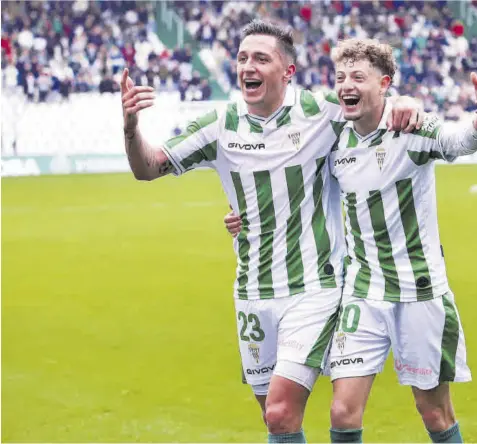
x=295, y=138
x=340, y=339
x=254, y=351
x=380, y=156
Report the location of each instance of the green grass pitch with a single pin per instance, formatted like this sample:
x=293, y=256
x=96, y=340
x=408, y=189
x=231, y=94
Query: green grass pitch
x=118, y=322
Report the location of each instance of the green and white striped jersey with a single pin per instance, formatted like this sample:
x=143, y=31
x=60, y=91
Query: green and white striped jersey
x=388, y=191
x=275, y=174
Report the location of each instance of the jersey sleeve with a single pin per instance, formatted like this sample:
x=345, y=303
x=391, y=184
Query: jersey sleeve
x=440, y=140
x=328, y=102
x=196, y=147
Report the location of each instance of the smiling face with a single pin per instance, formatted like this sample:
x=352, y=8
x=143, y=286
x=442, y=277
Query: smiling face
x=263, y=71
x=360, y=88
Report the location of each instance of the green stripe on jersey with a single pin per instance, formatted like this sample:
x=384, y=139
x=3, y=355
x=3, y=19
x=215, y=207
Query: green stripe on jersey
x=378, y=140
x=413, y=240
x=363, y=277
x=429, y=129
x=422, y=157
x=315, y=357
x=193, y=127
x=244, y=244
x=392, y=290
x=255, y=127
x=352, y=140
x=332, y=97
x=284, y=118
x=320, y=233
x=450, y=340
x=231, y=117
x=337, y=127
x=266, y=210
x=308, y=104
x=336, y=145
x=208, y=153
x=294, y=262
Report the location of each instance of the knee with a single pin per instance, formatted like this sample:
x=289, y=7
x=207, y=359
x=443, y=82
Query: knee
x=346, y=415
x=436, y=417
x=282, y=418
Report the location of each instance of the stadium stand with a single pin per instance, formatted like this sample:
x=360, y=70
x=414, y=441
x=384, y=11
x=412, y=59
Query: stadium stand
x=61, y=61
x=435, y=58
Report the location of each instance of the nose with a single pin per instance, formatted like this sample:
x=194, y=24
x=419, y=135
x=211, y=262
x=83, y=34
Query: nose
x=249, y=66
x=347, y=84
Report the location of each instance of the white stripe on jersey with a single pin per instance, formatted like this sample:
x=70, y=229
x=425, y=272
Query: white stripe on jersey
x=307, y=241
x=282, y=213
x=254, y=234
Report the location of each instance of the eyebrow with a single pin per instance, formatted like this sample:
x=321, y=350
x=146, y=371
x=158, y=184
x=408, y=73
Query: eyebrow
x=358, y=71
x=257, y=53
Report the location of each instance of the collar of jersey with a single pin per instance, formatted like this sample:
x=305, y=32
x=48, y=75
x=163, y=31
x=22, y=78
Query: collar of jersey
x=288, y=101
x=382, y=123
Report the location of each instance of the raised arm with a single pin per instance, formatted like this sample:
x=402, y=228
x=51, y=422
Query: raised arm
x=461, y=139
x=147, y=162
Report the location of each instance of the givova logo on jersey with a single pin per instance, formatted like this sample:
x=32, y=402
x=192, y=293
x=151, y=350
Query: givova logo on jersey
x=247, y=146
x=345, y=161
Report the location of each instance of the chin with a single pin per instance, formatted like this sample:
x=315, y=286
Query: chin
x=252, y=100
x=352, y=116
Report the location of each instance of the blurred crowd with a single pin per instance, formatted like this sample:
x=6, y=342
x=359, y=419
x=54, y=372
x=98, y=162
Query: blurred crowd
x=434, y=57
x=81, y=46
x=55, y=48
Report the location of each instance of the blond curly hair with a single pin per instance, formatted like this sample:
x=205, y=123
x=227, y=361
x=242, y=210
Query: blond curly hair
x=379, y=55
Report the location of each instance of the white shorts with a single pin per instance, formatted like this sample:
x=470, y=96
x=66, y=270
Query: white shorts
x=296, y=329
x=426, y=338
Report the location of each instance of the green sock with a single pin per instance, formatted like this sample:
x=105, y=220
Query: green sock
x=298, y=437
x=452, y=434
x=346, y=435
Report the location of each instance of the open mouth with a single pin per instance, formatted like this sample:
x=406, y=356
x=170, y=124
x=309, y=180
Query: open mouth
x=351, y=101
x=251, y=85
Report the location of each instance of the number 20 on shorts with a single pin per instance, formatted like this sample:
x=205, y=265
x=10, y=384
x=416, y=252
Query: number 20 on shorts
x=350, y=318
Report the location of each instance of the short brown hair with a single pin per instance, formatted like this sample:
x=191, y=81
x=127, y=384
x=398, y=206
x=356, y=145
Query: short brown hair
x=283, y=35
x=379, y=55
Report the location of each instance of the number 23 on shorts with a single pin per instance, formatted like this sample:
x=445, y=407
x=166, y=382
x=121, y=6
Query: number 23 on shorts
x=250, y=327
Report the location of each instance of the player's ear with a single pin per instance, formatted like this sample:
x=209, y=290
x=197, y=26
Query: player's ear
x=289, y=73
x=385, y=84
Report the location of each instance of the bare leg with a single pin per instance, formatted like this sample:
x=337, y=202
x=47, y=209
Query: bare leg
x=437, y=413
x=350, y=396
x=285, y=406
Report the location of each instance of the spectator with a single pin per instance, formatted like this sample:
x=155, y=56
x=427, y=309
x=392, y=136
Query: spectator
x=93, y=41
x=108, y=85
x=205, y=89
x=44, y=84
x=29, y=86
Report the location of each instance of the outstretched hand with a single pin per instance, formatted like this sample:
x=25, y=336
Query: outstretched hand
x=134, y=98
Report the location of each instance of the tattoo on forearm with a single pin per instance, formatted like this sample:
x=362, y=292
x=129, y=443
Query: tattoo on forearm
x=144, y=160
x=166, y=168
